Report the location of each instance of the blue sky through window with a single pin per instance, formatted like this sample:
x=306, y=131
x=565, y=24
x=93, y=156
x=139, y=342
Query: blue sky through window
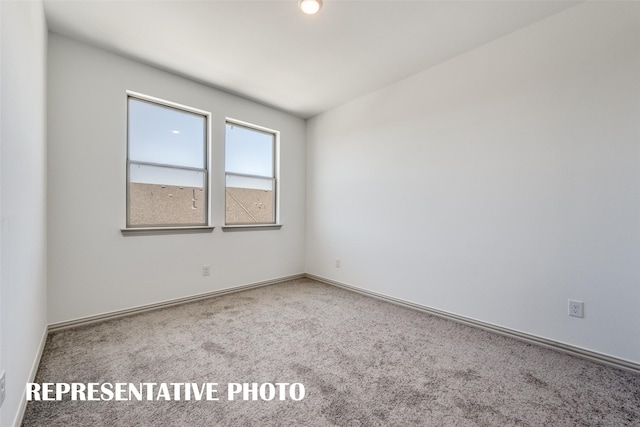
x=166, y=136
x=161, y=135
x=249, y=152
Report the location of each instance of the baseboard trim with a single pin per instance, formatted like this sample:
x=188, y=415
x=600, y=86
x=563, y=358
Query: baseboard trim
x=53, y=327
x=522, y=336
x=17, y=421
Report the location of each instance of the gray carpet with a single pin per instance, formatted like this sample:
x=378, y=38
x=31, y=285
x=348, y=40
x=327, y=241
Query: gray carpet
x=363, y=362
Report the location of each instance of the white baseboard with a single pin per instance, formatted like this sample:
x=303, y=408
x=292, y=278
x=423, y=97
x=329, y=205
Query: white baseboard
x=532, y=339
x=32, y=376
x=522, y=336
x=155, y=306
x=129, y=312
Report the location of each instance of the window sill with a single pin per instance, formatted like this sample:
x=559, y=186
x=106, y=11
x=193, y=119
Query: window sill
x=251, y=227
x=150, y=231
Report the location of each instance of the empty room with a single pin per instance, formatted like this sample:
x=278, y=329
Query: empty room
x=319, y=213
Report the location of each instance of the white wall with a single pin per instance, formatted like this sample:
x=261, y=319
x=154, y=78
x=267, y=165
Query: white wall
x=23, y=264
x=496, y=185
x=93, y=269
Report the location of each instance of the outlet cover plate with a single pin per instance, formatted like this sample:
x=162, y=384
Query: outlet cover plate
x=576, y=308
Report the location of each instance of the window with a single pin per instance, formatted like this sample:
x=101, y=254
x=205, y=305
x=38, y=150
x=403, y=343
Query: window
x=250, y=166
x=167, y=172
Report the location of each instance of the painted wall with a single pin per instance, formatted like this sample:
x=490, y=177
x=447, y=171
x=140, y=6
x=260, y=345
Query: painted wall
x=496, y=185
x=23, y=198
x=93, y=269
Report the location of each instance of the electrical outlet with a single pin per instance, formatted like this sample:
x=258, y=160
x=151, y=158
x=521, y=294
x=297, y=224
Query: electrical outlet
x=2, y=388
x=206, y=270
x=576, y=308
x=337, y=262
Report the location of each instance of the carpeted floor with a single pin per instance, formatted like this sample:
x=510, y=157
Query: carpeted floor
x=363, y=362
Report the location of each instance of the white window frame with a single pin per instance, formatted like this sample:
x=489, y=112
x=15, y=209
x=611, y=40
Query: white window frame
x=171, y=228
x=276, y=178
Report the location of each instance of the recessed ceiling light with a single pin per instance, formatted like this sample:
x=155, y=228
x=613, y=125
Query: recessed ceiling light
x=310, y=6
x=175, y=131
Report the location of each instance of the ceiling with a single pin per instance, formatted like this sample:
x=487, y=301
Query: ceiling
x=268, y=51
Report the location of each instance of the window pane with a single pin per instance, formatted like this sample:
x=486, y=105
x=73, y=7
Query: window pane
x=160, y=196
x=249, y=200
x=160, y=134
x=248, y=151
